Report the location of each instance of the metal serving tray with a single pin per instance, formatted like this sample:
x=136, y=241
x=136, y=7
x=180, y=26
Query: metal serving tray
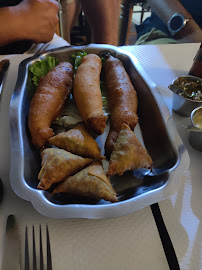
x=155, y=129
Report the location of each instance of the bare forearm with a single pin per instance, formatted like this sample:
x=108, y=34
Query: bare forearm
x=194, y=36
x=10, y=29
x=166, y=8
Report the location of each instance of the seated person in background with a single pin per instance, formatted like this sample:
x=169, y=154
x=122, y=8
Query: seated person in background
x=102, y=16
x=155, y=29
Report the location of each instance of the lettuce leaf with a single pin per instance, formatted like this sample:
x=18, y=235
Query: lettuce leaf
x=42, y=67
x=77, y=59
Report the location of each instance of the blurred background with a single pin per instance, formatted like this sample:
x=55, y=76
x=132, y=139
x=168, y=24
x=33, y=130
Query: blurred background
x=132, y=12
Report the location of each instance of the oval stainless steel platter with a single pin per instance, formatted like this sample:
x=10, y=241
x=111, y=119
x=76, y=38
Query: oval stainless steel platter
x=155, y=130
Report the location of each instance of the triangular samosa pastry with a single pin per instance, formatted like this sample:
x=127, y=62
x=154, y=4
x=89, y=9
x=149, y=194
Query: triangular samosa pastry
x=128, y=153
x=90, y=182
x=57, y=164
x=77, y=141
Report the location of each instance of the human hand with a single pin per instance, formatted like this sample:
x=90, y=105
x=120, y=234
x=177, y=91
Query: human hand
x=38, y=19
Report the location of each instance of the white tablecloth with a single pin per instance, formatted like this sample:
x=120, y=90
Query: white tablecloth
x=132, y=241
x=182, y=213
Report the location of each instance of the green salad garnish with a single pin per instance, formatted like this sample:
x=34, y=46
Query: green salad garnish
x=77, y=59
x=192, y=88
x=42, y=67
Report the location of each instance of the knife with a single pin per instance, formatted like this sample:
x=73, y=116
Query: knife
x=4, y=64
x=1, y=190
x=11, y=255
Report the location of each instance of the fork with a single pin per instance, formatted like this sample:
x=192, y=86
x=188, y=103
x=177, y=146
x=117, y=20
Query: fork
x=34, y=254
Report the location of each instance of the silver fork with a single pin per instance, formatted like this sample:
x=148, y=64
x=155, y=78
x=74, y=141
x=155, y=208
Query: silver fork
x=35, y=255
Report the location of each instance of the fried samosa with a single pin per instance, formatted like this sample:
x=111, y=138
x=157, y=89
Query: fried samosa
x=87, y=93
x=128, y=153
x=48, y=101
x=122, y=100
x=57, y=164
x=78, y=141
x=90, y=182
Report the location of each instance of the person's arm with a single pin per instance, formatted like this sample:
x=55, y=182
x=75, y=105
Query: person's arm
x=166, y=8
x=33, y=20
x=103, y=18
x=9, y=29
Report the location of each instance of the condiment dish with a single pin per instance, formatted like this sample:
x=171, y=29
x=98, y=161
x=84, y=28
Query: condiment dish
x=195, y=138
x=182, y=104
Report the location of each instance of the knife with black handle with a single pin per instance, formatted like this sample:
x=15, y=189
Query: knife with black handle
x=1, y=190
x=11, y=255
x=4, y=64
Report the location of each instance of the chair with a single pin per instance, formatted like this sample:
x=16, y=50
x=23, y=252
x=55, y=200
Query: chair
x=127, y=11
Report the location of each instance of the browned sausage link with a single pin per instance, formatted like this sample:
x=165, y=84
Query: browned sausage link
x=122, y=100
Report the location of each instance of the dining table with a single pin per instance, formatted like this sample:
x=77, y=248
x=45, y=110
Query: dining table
x=132, y=241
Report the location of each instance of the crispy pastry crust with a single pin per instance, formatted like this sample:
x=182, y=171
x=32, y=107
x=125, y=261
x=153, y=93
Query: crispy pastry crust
x=77, y=141
x=57, y=164
x=87, y=93
x=128, y=153
x=91, y=182
x=48, y=101
x=122, y=100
